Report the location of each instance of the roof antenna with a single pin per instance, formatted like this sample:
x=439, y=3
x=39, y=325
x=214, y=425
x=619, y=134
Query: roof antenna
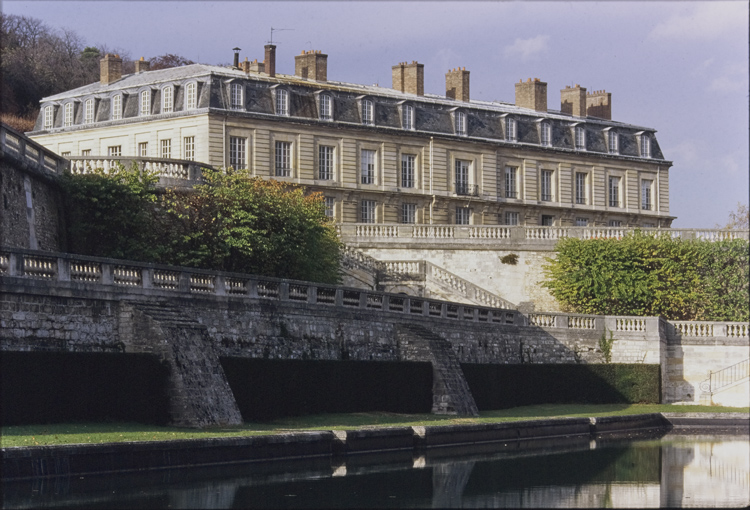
x=277, y=30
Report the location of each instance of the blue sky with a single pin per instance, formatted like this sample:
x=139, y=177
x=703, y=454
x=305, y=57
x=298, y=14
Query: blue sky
x=679, y=67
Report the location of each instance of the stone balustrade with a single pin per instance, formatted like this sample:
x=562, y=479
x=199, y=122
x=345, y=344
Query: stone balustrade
x=29, y=154
x=164, y=168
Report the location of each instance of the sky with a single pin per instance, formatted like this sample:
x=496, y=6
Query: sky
x=678, y=67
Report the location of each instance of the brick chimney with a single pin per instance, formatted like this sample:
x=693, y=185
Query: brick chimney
x=252, y=67
x=599, y=104
x=532, y=94
x=311, y=64
x=270, y=61
x=457, y=84
x=573, y=100
x=409, y=78
x=110, y=69
x=142, y=66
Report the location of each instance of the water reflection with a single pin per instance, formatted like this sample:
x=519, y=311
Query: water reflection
x=674, y=471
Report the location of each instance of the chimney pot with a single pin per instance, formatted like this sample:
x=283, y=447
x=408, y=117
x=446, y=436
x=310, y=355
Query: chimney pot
x=270, y=60
x=311, y=64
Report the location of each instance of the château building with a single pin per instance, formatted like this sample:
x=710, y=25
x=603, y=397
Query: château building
x=377, y=154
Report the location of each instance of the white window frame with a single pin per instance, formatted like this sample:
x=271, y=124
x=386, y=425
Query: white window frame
x=326, y=162
x=330, y=205
x=460, y=123
x=408, y=171
x=282, y=158
x=613, y=142
x=511, y=182
x=143, y=149
x=144, y=103
x=582, y=222
x=68, y=114
x=167, y=99
x=463, y=215
x=645, y=146
x=368, y=112
x=579, y=133
x=368, y=165
x=191, y=96
x=165, y=148
x=614, y=191
x=116, y=107
x=408, y=213
x=512, y=218
x=237, y=96
x=238, y=152
x=86, y=152
x=49, y=117
x=546, y=134
x=511, y=133
x=282, y=102
x=188, y=148
x=326, y=107
x=114, y=151
x=367, y=211
x=580, y=187
x=407, y=117
x=462, y=170
x=647, y=187
x=546, y=185
x=88, y=111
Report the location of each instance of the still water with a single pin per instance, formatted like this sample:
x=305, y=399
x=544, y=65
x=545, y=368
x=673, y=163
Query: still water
x=672, y=471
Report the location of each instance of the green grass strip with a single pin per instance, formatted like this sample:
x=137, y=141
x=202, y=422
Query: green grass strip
x=109, y=432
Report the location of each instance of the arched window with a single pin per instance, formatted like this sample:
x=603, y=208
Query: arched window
x=145, y=102
x=167, y=99
x=117, y=107
x=282, y=102
x=191, y=96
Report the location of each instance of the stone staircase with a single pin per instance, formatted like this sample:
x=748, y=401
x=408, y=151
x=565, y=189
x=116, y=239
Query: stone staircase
x=450, y=391
x=199, y=392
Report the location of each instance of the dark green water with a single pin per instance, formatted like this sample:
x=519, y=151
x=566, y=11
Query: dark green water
x=673, y=471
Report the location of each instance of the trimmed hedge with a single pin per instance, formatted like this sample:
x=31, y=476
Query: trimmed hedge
x=505, y=386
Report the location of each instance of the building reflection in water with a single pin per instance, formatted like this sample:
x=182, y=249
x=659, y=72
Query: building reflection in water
x=674, y=471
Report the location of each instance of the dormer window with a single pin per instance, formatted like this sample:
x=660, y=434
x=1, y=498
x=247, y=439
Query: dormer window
x=580, y=138
x=407, y=113
x=89, y=112
x=645, y=146
x=117, y=107
x=613, y=142
x=48, y=117
x=368, y=117
x=460, y=118
x=167, y=99
x=326, y=107
x=282, y=102
x=68, y=114
x=191, y=96
x=145, y=102
x=236, y=100
x=510, y=129
x=546, y=134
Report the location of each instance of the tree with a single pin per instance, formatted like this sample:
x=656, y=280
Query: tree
x=739, y=219
x=168, y=60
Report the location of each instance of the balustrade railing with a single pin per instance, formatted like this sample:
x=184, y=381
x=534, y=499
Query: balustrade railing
x=161, y=167
x=15, y=145
x=726, y=376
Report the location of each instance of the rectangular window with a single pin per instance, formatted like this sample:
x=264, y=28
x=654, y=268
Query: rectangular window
x=511, y=190
x=460, y=123
x=89, y=116
x=614, y=192
x=325, y=107
x=237, y=146
x=166, y=148
x=547, y=220
x=191, y=97
x=615, y=223
x=547, y=185
x=63, y=154
x=68, y=115
x=114, y=151
x=236, y=99
x=330, y=206
x=407, y=170
x=188, y=150
x=646, y=195
x=117, y=107
x=367, y=211
x=580, y=138
x=582, y=222
x=283, y=159
x=167, y=102
x=645, y=146
x=649, y=225
x=462, y=177
x=408, y=213
x=143, y=149
x=145, y=102
x=48, y=117
x=580, y=188
x=408, y=113
x=614, y=143
x=510, y=130
x=368, y=166
x=282, y=102
x=463, y=215
x=546, y=135
x=325, y=162
x=511, y=218
x=86, y=152
x=367, y=113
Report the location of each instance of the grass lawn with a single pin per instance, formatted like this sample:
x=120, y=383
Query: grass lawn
x=107, y=432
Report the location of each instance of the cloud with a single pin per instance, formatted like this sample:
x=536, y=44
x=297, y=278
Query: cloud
x=703, y=21
x=733, y=79
x=527, y=48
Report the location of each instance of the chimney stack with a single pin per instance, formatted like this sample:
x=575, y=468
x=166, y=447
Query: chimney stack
x=599, y=104
x=236, y=51
x=142, y=66
x=573, y=100
x=409, y=78
x=270, y=60
x=311, y=64
x=110, y=69
x=457, y=84
x=532, y=94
